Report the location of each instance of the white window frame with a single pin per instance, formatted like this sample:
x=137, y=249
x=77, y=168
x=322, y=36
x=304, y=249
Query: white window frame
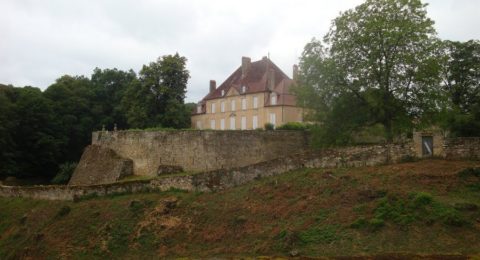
x=244, y=103
x=222, y=124
x=213, y=108
x=232, y=105
x=244, y=123
x=273, y=99
x=212, y=124
x=223, y=92
x=273, y=119
x=199, y=109
x=255, y=122
x=222, y=106
x=244, y=89
x=255, y=102
x=232, y=123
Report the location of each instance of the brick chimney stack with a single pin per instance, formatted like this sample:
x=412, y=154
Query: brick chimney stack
x=213, y=85
x=271, y=79
x=295, y=72
x=245, y=66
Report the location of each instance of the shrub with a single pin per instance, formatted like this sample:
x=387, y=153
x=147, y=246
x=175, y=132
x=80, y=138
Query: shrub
x=323, y=234
x=63, y=211
x=469, y=172
x=408, y=158
x=452, y=217
x=421, y=199
x=64, y=173
x=359, y=223
x=293, y=126
x=269, y=126
x=376, y=223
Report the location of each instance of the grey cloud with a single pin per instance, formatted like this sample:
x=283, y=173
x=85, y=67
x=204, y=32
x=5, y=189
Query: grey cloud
x=42, y=40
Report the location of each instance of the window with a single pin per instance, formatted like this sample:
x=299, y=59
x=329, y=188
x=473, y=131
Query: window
x=244, y=103
x=199, y=124
x=244, y=89
x=255, y=102
x=273, y=99
x=255, y=122
x=223, y=92
x=222, y=106
x=273, y=119
x=213, y=108
x=222, y=124
x=212, y=124
x=233, y=105
x=244, y=122
x=232, y=123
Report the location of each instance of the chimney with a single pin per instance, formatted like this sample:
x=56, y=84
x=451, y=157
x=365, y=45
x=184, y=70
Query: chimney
x=271, y=79
x=245, y=66
x=213, y=85
x=295, y=72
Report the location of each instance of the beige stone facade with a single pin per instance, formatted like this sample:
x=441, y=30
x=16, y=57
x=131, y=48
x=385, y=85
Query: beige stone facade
x=255, y=94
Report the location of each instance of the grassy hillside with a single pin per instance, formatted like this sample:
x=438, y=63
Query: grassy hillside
x=423, y=208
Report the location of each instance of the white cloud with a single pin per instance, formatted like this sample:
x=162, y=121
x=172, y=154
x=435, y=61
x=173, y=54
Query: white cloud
x=42, y=40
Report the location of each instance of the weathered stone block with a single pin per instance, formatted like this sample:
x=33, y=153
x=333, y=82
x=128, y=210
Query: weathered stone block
x=100, y=165
x=168, y=169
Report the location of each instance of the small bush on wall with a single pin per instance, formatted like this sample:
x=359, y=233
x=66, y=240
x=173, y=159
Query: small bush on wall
x=269, y=126
x=293, y=126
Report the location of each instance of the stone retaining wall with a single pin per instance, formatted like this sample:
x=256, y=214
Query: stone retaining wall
x=226, y=178
x=462, y=148
x=200, y=150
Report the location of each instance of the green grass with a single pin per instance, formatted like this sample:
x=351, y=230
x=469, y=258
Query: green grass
x=398, y=209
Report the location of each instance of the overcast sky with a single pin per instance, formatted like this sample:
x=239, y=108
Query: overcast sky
x=43, y=40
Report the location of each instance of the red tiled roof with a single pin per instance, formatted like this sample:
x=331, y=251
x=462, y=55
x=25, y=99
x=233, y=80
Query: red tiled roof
x=256, y=80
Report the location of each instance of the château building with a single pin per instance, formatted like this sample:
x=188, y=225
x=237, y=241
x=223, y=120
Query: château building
x=254, y=94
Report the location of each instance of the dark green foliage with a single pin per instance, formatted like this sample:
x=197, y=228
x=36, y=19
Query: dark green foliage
x=269, y=126
x=65, y=210
x=460, y=72
x=64, y=173
x=39, y=132
x=408, y=158
x=321, y=234
x=157, y=97
x=469, y=172
x=378, y=67
x=30, y=142
x=298, y=126
x=418, y=207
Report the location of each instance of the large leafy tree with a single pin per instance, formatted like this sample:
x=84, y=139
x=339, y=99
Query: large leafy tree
x=381, y=54
x=8, y=126
x=159, y=90
x=109, y=86
x=29, y=145
x=73, y=102
x=461, y=82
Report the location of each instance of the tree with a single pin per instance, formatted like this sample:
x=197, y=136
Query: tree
x=109, y=86
x=380, y=53
x=8, y=124
x=461, y=82
x=73, y=102
x=160, y=89
x=37, y=149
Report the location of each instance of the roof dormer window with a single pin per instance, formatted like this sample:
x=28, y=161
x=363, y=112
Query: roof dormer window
x=273, y=99
x=244, y=89
x=223, y=92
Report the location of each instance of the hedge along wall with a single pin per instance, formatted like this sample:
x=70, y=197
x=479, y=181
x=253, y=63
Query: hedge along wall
x=200, y=150
x=225, y=178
